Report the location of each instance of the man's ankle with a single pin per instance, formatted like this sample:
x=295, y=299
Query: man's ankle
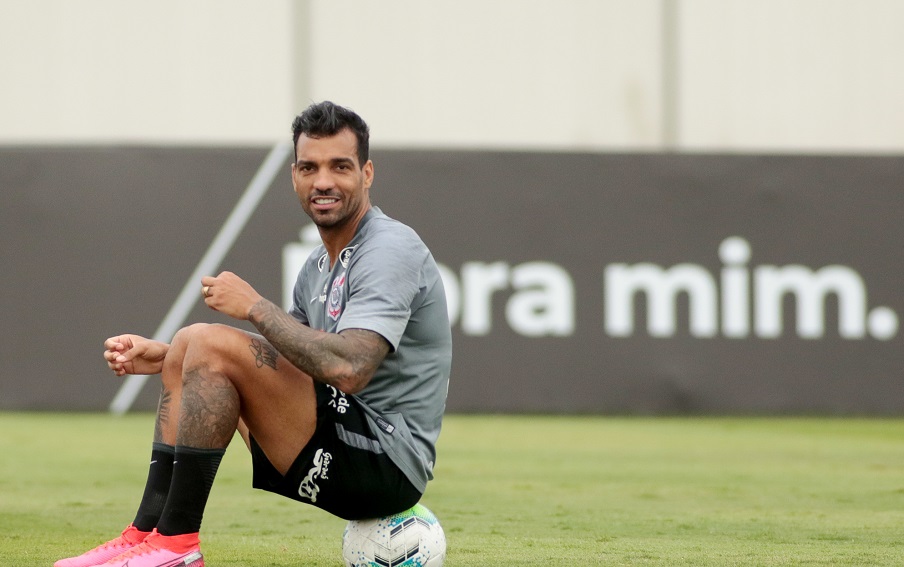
x=180, y=543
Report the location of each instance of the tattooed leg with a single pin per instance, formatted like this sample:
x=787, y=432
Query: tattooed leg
x=210, y=410
x=227, y=379
x=162, y=422
x=166, y=426
x=160, y=470
x=264, y=353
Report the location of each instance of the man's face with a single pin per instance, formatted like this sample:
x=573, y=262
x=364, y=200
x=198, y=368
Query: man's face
x=333, y=187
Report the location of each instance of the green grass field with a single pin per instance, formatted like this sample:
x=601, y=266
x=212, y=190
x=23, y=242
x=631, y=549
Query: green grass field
x=509, y=491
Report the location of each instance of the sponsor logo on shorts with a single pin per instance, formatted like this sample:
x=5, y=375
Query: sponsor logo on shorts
x=309, y=488
x=339, y=401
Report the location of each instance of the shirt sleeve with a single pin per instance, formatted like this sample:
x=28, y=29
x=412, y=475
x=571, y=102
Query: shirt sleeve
x=299, y=308
x=384, y=279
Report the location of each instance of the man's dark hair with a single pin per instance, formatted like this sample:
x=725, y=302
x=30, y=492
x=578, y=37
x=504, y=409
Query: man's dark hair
x=327, y=119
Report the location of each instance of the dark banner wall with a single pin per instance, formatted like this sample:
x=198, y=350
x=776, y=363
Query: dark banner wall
x=636, y=283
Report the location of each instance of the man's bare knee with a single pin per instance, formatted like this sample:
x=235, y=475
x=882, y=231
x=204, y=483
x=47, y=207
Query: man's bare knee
x=175, y=356
x=215, y=347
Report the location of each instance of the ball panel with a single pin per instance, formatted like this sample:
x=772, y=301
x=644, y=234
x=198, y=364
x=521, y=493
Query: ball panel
x=413, y=538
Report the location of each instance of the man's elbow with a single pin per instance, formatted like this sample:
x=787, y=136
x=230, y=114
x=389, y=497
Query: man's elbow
x=350, y=383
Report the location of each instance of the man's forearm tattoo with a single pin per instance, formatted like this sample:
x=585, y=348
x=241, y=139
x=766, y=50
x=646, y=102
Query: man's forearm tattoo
x=264, y=353
x=276, y=325
x=345, y=360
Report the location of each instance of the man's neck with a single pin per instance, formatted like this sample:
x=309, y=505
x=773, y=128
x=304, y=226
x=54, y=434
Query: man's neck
x=336, y=238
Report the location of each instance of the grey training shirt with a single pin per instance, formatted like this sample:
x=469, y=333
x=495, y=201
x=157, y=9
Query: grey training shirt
x=386, y=281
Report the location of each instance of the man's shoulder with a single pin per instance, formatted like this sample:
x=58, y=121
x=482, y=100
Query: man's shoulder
x=385, y=228
x=383, y=222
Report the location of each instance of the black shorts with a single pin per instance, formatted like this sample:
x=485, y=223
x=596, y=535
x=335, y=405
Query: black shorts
x=342, y=469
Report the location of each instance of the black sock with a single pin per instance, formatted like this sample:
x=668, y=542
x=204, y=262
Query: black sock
x=193, y=474
x=157, y=487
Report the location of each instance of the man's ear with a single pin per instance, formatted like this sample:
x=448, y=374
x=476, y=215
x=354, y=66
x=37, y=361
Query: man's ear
x=368, y=170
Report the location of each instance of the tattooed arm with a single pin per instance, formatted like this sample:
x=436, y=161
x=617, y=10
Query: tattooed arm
x=346, y=360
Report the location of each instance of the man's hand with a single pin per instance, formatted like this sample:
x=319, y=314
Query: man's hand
x=229, y=294
x=132, y=354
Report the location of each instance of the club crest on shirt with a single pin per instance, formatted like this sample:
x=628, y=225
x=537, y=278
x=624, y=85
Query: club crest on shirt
x=334, y=307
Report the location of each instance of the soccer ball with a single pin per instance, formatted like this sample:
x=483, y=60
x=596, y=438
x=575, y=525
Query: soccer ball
x=412, y=538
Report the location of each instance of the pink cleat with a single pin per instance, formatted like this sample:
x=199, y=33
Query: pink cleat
x=161, y=551
x=130, y=537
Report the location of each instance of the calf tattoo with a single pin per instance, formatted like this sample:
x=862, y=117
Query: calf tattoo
x=264, y=353
x=210, y=410
x=163, y=413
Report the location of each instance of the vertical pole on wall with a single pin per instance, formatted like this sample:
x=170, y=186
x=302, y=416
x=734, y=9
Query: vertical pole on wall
x=670, y=66
x=211, y=260
x=301, y=54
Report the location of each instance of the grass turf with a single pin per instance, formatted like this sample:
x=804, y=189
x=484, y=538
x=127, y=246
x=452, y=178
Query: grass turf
x=510, y=490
